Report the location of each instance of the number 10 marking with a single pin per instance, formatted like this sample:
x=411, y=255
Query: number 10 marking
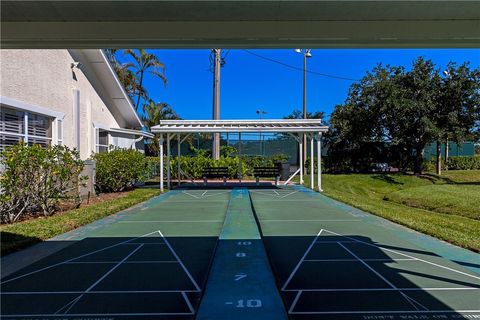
x=252, y=303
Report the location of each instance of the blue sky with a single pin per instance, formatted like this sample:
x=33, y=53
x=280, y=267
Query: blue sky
x=249, y=83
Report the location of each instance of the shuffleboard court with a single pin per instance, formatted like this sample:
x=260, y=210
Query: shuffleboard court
x=149, y=262
x=333, y=263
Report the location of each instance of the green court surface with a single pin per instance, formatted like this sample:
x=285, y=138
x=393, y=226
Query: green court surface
x=332, y=263
x=257, y=253
x=150, y=262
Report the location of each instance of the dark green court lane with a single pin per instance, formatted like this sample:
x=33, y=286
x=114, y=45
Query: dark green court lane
x=148, y=262
x=334, y=262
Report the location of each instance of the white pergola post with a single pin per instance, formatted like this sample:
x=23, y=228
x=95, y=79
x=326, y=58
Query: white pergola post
x=168, y=162
x=160, y=143
x=312, y=170
x=178, y=158
x=319, y=162
x=300, y=152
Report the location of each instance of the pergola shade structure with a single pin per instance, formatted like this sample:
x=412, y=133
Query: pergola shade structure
x=181, y=129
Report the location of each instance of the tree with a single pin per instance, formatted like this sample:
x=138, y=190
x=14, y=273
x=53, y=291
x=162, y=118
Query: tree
x=145, y=62
x=126, y=76
x=459, y=105
x=297, y=114
x=389, y=112
x=154, y=112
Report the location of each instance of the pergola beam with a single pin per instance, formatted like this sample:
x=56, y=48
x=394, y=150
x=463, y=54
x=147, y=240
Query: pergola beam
x=313, y=128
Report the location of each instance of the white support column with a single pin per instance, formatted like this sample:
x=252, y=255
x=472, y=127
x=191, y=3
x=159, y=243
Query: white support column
x=300, y=153
x=178, y=158
x=312, y=170
x=168, y=162
x=160, y=142
x=319, y=162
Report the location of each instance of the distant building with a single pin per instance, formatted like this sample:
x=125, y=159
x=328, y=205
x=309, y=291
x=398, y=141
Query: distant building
x=68, y=97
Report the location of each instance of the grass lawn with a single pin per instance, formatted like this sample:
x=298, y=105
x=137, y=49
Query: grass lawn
x=460, y=200
x=26, y=233
x=446, y=207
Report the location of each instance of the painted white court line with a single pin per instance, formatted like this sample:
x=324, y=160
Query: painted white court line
x=171, y=221
x=184, y=295
x=99, y=314
x=352, y=260
x=71, y=304
x=149, y=243
x=309, y=220
x=75, y=258
x=410, y=300
x=13, y=293
x=126, y=262
x=405, y=255
x=180, y=261
x=204, y=194
x=301, y=260
x=207, y=204
x=333, y=241
x=294, y=303
x=386, y=312
x=382, y=289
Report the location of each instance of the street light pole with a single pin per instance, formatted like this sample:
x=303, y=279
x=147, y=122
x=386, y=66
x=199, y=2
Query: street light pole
x=216, y=102
x=306, y=54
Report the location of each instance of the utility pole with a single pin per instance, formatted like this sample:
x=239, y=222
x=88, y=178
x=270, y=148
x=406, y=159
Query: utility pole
x=216, y=101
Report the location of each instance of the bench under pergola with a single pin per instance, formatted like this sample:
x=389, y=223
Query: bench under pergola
x=297, y=128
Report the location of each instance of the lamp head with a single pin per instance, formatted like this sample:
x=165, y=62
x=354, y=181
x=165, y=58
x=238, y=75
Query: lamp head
x=298, y=50
x=308, y=54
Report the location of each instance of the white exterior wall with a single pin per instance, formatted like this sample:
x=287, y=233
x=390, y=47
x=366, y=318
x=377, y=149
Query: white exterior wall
x=45, y=78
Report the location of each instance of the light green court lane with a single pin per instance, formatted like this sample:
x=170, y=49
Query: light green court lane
x=335, y=262
x=148, y=262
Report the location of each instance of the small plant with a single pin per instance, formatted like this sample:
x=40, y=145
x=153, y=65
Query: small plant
x=36, y=179
x=119, y=169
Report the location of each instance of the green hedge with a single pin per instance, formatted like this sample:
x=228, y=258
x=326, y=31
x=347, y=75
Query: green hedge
x=464, y=163
x=193, y=166
x=119, y=169
x=35, y=179
x=455, y=163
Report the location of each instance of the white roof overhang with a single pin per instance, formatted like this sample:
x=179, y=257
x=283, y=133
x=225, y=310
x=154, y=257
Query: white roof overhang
x=105, y=81
x=236, y=126
x=133, y=132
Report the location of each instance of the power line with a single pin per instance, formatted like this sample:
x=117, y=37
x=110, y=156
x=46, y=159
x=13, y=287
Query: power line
x=297, y=68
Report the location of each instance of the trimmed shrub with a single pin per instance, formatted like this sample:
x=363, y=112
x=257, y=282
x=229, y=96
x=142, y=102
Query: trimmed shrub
x=237, y=166
x=464, y=163
x=36, y=179
x=119, y=169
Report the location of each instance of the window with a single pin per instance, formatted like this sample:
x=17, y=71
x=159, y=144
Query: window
x=60, y=132
x=20, y=126
x=102, y=140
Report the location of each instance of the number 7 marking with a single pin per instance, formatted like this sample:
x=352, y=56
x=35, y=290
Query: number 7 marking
x=240, y=276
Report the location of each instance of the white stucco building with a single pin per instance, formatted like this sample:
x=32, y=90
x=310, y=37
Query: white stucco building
x=69, y=97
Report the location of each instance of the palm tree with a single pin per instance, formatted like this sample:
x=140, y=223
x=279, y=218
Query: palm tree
x=126, y=76
x=153, y=113
x=145, y=62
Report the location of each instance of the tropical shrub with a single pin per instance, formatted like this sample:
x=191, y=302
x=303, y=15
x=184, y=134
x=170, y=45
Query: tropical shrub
x=35, y=179
x=237, y=166
x=464, y=163
x=119, y=169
